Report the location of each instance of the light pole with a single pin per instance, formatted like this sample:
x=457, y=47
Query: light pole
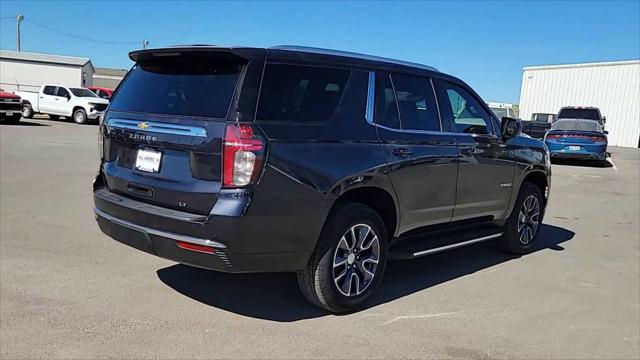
x=19, y=19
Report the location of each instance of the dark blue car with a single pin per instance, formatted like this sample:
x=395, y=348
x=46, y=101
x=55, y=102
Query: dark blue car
x=577, y=139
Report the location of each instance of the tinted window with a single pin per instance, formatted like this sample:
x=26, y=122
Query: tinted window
x=300, y=93
x=184, y=85
x=467, y=115
x=80, y=92
x=500, y=112
x=416, y=103
x=386, y=109
x=591, y=114
x=62, y=92
x=577, y=125
x=49, y=90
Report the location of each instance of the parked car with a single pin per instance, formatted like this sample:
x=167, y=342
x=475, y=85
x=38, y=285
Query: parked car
x=56, y=100
x=102, y=92
x=319, y=162
x=10, y=107
x=582, y=112
x=539, y=125
x=577, y=139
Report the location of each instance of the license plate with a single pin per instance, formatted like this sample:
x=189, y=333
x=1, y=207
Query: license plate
x=9, y=113
x=574, y=148
x=148, y=160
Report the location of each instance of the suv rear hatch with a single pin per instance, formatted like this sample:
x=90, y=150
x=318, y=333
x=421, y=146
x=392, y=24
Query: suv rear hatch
x=163, y=133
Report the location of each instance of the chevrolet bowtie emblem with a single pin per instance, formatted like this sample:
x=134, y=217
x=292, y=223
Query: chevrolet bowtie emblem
x=143, y=125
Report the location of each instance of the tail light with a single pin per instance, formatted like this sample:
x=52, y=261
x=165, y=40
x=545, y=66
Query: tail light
x=552, y=136
x=242, y=155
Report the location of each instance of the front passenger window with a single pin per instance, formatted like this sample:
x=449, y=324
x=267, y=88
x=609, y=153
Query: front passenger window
x=467, y=115
x=62, y=92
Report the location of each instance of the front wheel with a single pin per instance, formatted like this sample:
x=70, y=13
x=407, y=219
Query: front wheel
x=80, y=116
x=27, y=111
x=349, y=260
x=524, y=223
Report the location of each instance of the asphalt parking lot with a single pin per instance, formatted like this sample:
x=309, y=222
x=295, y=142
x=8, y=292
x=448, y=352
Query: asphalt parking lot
x=67, y=291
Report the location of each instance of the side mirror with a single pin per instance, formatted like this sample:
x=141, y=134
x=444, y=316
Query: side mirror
x=510, y=128
x=68, y=97
x=606, y=132
x=604, y=119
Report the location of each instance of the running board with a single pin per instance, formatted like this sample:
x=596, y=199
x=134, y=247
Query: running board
x=400, y=254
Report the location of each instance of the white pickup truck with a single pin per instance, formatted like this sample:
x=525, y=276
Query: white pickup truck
x=56, y=100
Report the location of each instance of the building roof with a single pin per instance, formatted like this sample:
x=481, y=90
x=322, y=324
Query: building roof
x=110, y=72
x=44, y=58
x=560, y=66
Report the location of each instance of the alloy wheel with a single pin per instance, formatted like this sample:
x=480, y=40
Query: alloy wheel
x=355, y=260
x=528, y=219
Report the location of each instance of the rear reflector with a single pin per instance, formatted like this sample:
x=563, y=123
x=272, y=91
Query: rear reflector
x=196, y=247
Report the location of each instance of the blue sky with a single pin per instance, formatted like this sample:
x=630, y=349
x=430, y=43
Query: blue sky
x=484, y=43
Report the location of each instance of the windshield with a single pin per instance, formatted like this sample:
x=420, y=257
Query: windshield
x=577, y=125
x=570, y=113
x=185, y=85
x=500, y=112
x=80, y=92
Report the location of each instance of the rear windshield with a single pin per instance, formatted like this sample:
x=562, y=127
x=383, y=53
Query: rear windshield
x=577, y=125
x=591, y=114
x=179, y=85
x=500, y=112
x=79, y=92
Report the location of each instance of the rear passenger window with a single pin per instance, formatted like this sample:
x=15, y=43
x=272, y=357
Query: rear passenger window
x=49, y=90
x=386, y=109
x=300, y=93
x=416, y=103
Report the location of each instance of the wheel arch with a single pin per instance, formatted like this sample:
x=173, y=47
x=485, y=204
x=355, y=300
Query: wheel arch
x=537, y=177
x=377, y=198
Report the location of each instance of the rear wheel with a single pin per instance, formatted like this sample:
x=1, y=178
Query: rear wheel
x=525, y=221
x=27, y=111
x=349, y=260
x=80, y=116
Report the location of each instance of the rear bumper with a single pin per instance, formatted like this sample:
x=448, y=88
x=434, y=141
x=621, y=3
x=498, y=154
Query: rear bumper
x=578, y=155
x=157, y=231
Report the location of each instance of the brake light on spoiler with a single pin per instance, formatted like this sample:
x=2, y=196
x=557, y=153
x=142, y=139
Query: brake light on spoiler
x=242, y=156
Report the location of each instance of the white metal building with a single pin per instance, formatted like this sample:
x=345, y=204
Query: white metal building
x=614, y=87
x=28, y=71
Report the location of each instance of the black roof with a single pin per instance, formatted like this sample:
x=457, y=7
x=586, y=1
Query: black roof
x=288, y=51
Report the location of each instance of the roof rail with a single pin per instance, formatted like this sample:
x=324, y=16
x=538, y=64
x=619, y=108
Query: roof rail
x=322, y=51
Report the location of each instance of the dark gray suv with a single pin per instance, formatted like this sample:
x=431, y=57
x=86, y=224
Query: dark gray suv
x=314, y=161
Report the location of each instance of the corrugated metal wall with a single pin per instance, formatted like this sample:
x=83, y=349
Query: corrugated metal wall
x=613, y=87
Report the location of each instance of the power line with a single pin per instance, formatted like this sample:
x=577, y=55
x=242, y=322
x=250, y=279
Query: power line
x=80, y=37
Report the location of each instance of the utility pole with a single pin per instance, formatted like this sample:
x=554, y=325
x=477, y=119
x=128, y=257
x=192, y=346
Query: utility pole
x=145, y=43
x=19, y=19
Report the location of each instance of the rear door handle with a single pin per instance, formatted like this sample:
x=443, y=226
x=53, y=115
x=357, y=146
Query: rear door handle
x=404, y=152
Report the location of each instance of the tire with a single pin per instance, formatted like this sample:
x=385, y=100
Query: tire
x=520, y=231
x=321, y=282
x=27, y=111
x=54, y=117
x=80, y=116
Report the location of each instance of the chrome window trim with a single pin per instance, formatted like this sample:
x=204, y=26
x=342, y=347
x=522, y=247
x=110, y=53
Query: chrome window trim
x=157, y=127
x=371, y=91
x=168, y=235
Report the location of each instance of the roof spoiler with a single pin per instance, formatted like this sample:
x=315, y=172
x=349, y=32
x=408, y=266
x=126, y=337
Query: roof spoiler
x=229, y=53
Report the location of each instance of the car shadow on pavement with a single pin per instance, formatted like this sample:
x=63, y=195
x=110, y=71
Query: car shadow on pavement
x=23, y=123
x=583, y=163
x=275, y=296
